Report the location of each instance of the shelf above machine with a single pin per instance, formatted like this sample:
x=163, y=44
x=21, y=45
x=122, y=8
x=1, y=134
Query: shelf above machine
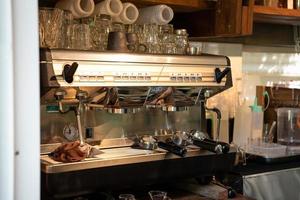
x=276, y=15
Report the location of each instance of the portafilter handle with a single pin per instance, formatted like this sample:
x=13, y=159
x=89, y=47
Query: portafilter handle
x=213, y=146
x=200, y=139
x=173, y=148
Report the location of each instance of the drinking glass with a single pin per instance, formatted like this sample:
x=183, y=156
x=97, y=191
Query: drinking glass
x=167, y=39
x=157, y=195
x=181, y=41
x=78, y=36
x=118, y=27
x=135, y=38
x=150, y=38
x=126, y=197
x=67, y=20
x=100, y=26
x=50, y=25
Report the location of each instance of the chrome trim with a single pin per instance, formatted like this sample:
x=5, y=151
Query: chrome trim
x=175, y=108
x=203, y=59
x=123, y=110
x=270, y=173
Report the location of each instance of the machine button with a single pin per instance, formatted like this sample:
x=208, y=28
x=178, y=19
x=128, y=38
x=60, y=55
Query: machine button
x=93, y=78
x=193, y=79
x=186, y=79
x=84, y=78
x=173, y=78
x=141, y=78
x=132, y=77
x=100, y=78
x=179, y=78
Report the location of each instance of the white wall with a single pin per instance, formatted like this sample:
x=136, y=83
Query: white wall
x=269, y=66
x=6, y=103
x=26, y=100
x=19, y=101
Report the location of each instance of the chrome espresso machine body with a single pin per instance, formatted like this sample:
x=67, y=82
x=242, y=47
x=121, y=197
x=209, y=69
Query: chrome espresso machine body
x=109, y=99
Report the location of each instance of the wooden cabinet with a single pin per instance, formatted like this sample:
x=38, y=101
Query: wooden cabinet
x=227, y=19
x=276, y=15
x=220, y=18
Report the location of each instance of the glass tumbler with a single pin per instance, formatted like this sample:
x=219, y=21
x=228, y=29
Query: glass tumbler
x=50, y=27
x=100, y=26
x=167, y=39
x=150, y=38
x=67, y=20
x=118, y=27
x=79, y=36
x=135, y=37
x=181, y=41
x=158, y=195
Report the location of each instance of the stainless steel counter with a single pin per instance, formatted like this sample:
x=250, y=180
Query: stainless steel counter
x=118, y=156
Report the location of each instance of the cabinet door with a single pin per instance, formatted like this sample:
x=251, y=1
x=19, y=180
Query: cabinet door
x=227, y=19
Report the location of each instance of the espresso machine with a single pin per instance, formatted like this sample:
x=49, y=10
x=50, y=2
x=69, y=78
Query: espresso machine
x=114, y=101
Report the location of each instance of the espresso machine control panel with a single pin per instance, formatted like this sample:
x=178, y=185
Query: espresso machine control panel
x=64, y=68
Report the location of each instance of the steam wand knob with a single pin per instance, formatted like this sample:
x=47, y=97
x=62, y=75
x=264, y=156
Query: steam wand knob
x=59, y=96
x=69, y=71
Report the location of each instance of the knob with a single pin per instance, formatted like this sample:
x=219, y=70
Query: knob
x=219, y=75
x=81, y=95
x=69, y=71
x=60, y=94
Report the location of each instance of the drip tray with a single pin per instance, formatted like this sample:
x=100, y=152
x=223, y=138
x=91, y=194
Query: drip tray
x=122, y=152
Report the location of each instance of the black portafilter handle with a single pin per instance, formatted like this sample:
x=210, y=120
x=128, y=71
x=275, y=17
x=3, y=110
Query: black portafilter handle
x=173, y=148
x=213, y=146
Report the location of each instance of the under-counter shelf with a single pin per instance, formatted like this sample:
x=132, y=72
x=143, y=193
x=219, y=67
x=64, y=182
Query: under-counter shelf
x=276, y=15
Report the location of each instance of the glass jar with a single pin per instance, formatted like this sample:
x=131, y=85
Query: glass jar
x=181, y=41
x=167, y=39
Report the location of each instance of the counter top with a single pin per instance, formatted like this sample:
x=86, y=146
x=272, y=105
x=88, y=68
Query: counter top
x=120, y=156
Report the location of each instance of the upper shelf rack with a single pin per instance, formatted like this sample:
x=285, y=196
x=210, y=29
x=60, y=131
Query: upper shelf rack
x=177, y=5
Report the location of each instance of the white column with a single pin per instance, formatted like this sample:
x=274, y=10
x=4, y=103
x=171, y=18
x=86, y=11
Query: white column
x=6, y=103
x=26, y=99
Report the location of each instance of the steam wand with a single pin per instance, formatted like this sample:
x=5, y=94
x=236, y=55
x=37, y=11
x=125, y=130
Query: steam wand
x=81, y=96
x=207, y=94
x=219, y=116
